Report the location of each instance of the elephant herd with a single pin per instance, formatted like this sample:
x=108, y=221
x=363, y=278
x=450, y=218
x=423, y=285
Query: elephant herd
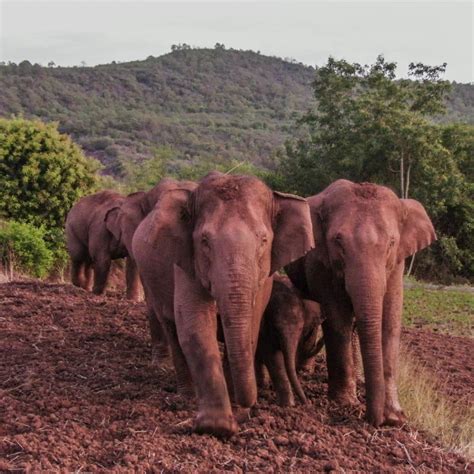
x=207, y=254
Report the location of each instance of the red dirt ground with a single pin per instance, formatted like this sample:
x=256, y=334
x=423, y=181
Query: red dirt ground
x=77, y=393
x=450, y=358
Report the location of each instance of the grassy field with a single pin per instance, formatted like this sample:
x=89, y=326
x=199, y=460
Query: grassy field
x=446, y=311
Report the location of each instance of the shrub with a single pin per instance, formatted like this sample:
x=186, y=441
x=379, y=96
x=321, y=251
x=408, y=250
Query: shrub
x=23, y=248
x=42, y=173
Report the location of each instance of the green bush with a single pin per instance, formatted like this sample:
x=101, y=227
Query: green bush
x=42, y=173
x=23, y=248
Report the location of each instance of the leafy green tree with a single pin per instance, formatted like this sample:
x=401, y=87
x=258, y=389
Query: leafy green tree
x=42, y=173
x=23, y=248
x=370, y=126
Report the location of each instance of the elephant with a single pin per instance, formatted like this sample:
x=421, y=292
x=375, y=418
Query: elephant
x=210, y=250
x=122, y=221
x=90, y=245
x=288, y=338
x=100, y=227
x=364, y=233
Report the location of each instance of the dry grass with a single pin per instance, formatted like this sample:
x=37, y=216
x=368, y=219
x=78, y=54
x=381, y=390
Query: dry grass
x=428, y=410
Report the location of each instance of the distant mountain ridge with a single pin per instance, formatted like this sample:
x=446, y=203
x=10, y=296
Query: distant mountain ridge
x=203, y=103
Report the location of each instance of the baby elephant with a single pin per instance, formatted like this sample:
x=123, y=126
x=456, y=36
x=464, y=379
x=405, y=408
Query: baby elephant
x=288, y=339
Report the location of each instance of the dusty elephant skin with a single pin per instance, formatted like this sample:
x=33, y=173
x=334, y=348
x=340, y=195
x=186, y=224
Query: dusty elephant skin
x=213, y=249
x=90, y=245
x=287, y=340
x=122, y=221
x=363, y=232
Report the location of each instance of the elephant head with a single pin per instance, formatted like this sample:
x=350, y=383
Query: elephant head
x=364, y=233
x=121, y=221
x=233, y=233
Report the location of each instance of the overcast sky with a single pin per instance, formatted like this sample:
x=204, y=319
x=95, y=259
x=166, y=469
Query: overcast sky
x=69, y=32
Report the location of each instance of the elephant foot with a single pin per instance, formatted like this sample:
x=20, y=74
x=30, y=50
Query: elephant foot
x=344, y=397
x=134, y=297
x=159, y=354
x=185, y=390
x=216, y=423
x=286, y=400
x=394, y=417
x=374, y=417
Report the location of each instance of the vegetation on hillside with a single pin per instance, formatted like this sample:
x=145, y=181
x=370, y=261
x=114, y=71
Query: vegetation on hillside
x=369, y=126
x=205, y=104
x=194, y=110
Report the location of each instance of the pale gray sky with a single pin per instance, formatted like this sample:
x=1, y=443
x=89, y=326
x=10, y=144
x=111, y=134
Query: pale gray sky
x=96, y=32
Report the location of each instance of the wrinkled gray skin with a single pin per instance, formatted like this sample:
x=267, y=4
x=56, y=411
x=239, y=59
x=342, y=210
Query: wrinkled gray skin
x=288, y=339
x=210, y=249
x=363, y=235
x=90, y=245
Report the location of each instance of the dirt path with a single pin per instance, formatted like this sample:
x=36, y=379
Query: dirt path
x=77, y=393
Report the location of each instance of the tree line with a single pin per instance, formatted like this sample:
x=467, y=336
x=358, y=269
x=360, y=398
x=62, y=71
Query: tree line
x=366, y=125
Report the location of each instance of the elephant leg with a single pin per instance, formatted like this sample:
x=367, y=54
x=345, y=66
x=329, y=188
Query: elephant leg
x=260, y=374
x=184, y=381
x=89, y=276
x=275, y=363
x=77, y=273
x=356, y=356
x=228, y=375
x=337, y=330
x=196, y=322
x=391, y=329
x=133, y=280
x=159, y=342
x=101, y=273
x=289, y=345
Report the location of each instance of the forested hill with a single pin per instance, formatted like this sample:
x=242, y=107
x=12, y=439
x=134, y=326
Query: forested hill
x=203, y=103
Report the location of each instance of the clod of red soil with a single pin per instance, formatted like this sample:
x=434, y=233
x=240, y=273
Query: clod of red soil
x=78, y=393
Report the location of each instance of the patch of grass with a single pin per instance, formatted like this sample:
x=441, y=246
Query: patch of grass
x=445, y=311
x=428, y=410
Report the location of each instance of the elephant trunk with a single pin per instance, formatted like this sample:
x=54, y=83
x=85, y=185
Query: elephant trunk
x=236, y=308
x=367, y=300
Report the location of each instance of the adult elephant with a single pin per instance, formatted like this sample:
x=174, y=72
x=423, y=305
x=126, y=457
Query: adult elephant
x=122, y=221
x=209, y=250
x=90, y=245
x=363, y=232
x=99, y=229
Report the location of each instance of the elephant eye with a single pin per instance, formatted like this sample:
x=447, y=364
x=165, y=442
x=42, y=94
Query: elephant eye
x=339, y=242
x=392, y=242
x=205, y=241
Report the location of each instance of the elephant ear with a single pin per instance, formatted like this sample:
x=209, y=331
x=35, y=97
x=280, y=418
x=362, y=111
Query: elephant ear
x=170, y=229
x=316, y=204
x=417, y=230
x=292, y=232
x=112, y=222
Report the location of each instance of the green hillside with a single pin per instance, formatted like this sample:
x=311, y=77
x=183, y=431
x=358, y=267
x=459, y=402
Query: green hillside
x=201, y=102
